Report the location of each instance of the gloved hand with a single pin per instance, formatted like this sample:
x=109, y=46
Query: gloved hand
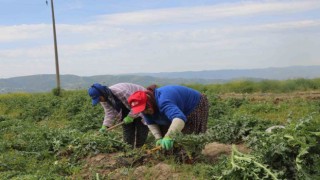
x=158, y=143
x=103, y=129
x=128, y=120
x=167, y=143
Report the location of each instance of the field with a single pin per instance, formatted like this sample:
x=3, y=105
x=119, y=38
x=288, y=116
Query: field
x=43, y=136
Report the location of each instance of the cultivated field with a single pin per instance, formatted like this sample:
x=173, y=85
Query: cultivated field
x=43, y=136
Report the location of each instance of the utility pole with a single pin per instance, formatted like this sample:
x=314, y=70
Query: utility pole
x=55, y=48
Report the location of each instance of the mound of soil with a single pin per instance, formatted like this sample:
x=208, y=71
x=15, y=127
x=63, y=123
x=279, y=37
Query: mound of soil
x=214, y=150
x=101, y=163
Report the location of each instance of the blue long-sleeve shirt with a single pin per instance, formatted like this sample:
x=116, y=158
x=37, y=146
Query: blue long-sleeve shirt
x=173, y=101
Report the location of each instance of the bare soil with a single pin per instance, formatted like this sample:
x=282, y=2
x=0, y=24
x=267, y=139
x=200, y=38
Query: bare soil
x=101, y=163
x=110, y=166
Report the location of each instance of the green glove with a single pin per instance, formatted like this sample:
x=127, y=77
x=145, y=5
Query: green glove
x=128, y=120
x=103, y=129
x=158, y=143
x=167, y=143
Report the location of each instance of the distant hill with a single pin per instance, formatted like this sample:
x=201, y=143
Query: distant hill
x=293, y=72
x=45, y=83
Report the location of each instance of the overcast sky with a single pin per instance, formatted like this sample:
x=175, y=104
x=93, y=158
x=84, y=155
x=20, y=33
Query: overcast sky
x=98, y=37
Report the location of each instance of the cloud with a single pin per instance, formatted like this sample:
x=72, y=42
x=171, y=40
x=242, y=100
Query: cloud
x=105, y=26
x=284, y=26
x=24, y=32
x=27, y=53
x=129, y=41
x=206, y=13
x=74, y=5
x=93, y=38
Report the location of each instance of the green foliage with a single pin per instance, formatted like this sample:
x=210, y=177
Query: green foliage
x=79, y=111
x=218, y=108
x=235, y=102
x=227, y=131
x=50, y=134
x=290, y=153
x=24, y=147
x=237, y=128
x=274, y=86
x=11, y=104
x=243, y=166
x=39, y=107
x=54, y=133
x=294, y=150
x=56, y=91
x=75, y=103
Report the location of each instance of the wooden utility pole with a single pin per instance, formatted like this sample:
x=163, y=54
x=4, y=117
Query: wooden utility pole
x=55, y=48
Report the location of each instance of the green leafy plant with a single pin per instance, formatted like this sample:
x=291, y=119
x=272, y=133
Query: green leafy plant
x=294, y=150
x=243, y=166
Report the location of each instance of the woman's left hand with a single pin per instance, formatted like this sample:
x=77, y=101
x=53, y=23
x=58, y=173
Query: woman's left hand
x=167, y=143
x=128, y=120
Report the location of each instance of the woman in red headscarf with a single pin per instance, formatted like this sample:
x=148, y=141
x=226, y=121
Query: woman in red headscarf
x=169, y=109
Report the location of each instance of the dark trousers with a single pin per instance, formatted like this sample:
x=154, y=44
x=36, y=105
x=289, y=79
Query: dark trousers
x=135, y=133
x=164, y=129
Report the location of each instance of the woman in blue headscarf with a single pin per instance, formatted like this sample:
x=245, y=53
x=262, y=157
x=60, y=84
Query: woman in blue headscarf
x=114, y=100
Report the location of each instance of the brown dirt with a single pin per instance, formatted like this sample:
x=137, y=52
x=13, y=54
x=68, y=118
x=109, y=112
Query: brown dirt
x=101, y=163
x=108, y=166
x=112, y=166
x=214, y=150
x=160, y=171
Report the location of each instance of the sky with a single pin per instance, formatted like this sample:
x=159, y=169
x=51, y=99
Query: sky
x=100, y=37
